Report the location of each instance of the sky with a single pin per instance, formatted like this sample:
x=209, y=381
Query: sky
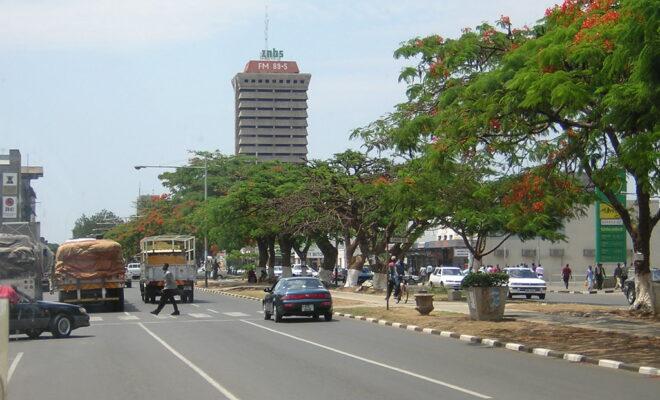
x=91, y=88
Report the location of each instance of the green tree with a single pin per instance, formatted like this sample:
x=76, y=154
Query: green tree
x=577, y=93
x=95, y=225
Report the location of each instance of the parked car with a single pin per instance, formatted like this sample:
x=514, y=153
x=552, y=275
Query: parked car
x=33, y=317
x=339, y=274
x=297, y=296
x=297, y=270
x=628, y=288
x=365, y=275
x=277, y=271
x=523, y=281
x=449, y=277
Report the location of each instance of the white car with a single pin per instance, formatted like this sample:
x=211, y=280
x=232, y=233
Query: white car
x=449, y=277
x=133, y=270
x=523, y=281
x=277, y=270
x=296, y=270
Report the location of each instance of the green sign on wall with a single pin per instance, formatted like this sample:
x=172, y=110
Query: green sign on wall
x=611, y=235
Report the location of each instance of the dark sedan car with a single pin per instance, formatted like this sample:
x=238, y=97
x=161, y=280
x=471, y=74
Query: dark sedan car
x=297, y=296
x=33, y=317
x=628, y=288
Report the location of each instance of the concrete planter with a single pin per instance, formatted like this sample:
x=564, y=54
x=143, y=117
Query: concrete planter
x=424, y=303
x=487, y=303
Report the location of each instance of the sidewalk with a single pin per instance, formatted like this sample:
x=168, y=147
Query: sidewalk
x=603, y=323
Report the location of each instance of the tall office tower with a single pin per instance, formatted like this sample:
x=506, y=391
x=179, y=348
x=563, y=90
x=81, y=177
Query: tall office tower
x=271, y=109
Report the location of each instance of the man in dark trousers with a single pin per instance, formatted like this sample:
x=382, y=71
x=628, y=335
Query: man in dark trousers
x=566, y=274
x=169, y=291
x=600, y=276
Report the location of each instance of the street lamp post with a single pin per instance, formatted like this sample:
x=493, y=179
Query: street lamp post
x=206, y=195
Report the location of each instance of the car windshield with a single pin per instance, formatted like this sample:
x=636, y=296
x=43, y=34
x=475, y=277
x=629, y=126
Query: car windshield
x=451, y=271
x=300, y=284
x=521, y=273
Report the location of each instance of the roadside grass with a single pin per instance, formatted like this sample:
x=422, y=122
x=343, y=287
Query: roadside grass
x=609, y=345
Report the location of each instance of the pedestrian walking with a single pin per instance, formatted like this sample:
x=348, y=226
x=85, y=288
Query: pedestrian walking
x=589, y=278
x=599, y=273
x=618, y=273
x=169, y=291
x=392, y=279
x=566, y=275
x=422, y=274
x=540, y=271
x=624, y=274
x=216, y=268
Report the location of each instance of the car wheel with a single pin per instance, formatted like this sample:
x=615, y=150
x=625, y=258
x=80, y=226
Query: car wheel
x=315, y=317
x=62, y=326
x=542, y=296
x=33, y=333
x=630, y=295
x=129, y=284
x=277, y=315
x=328, y=316
x=529, y=296
x=510, y=295
x=266, y=313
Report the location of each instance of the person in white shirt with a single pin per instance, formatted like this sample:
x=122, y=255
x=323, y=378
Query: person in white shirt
x=168, y=292
x=539, y=271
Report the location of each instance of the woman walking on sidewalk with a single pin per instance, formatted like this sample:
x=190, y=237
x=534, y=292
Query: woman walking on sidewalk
x=566, y=274
x=590, y=278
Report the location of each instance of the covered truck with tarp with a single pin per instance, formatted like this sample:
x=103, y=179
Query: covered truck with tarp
x=21, y=264
x=176, y=250
x=89, y=271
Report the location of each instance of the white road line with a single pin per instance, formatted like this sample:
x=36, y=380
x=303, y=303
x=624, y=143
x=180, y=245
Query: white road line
x=369, y=361
x=195, y=305
x=236, y=314
x=126, y=312
x=127, y=317
x=95, y=319
x=213, y=311
x=192, y=366
x=13, y=366
x=199, y=315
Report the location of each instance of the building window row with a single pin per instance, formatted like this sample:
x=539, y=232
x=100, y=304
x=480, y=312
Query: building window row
x=273, y=90
x=273, y=81
x=277, y=118
x=271, y=99
x=272, y=108
x=243, y=135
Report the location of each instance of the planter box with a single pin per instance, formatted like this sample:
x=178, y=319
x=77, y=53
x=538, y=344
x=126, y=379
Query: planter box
x=487, y=303
x=424, y=303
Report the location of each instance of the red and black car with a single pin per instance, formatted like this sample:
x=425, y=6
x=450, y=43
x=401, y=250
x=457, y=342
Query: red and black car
x=297, y=296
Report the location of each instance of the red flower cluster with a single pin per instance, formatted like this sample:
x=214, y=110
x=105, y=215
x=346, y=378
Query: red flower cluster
x=495, y=124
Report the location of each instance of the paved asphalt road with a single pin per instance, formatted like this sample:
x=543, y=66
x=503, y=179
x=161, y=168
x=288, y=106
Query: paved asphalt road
x=220, y=347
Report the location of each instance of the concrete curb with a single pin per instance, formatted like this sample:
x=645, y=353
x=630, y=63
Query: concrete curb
x=539, y=351
x=579, y=291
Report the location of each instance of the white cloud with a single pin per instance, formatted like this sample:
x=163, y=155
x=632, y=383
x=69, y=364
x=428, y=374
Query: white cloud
x=116, y=24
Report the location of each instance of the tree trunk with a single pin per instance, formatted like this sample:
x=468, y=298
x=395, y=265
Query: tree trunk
x=302, y=253
x=262, y=245
x=380, y=275
x=353, y=271
x=645, y=298
x=271, y=257
x=286, y=243
x=329, y=258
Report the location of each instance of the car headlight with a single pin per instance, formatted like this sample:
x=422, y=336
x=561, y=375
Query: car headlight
x=83, y=311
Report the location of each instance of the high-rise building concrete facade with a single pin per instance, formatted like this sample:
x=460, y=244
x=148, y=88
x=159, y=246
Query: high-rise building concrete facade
x=271, y=111
x=18, y=197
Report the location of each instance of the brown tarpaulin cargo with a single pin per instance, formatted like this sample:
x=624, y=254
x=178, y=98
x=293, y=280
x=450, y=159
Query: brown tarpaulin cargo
x=89, y=259
x=17, y=256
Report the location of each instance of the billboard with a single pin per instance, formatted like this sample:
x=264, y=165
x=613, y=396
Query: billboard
x=9, y=207
x=611, y=234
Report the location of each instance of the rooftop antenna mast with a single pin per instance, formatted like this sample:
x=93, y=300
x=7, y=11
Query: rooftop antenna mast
x=266, y=31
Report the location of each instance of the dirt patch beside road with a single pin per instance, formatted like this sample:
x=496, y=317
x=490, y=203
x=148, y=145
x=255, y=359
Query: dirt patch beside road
x=610, y=345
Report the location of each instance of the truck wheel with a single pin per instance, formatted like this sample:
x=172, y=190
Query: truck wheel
x=33, y=333
x=542, y=296
x=62, y=326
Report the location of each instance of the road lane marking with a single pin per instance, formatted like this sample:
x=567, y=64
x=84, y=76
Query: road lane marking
x=127, y=317
x=369, y=361
x=213, y=311
x=199, y=315
x=13, y=366
x=192, y=366
x=195, y=305
x=236, y=314
x=126, y=312
x=95, y=319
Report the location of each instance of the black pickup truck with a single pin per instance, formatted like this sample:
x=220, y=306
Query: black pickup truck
x=33, y=317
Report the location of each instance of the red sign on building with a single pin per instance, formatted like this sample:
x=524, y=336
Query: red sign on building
x=268, y=66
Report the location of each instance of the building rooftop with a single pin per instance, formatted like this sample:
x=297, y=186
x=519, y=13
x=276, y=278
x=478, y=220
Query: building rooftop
x=32, y=172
